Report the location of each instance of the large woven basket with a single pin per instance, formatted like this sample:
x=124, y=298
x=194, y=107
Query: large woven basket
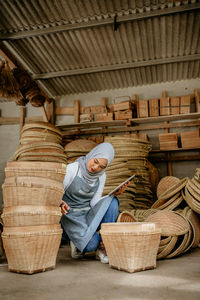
x=165, y=183
x=23, y=190
x=48, y=170
x=31, y=249
x=171, y=223
x=30, y=215
x=131, y=247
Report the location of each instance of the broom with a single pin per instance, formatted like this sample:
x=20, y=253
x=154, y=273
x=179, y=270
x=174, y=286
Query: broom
x=9, y=87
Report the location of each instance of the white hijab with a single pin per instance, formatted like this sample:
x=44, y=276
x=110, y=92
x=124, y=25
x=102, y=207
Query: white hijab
x=103, y=150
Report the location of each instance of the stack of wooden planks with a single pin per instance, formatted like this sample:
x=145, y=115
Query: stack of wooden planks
x=190, y=139
x=168, y=141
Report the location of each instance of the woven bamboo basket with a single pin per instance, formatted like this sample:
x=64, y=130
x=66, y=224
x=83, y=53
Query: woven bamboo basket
x=141, y=214
x=31, y=249
x=126, y=216
x=171, y=191
x=29, y=215
x=165, y=250
x=165, y=183
x=131, y=247
x=48, y=170
x=43, y=126
x=170, y=222
x=31, y=191
x=191, y=200
x=195, y=220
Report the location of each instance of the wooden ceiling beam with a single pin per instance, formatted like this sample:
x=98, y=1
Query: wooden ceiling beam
x=109, y=21
x=114, y=67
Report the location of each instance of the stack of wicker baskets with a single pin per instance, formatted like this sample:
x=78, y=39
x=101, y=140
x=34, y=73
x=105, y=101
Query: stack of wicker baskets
x=40, y=141
x=177, y=233
x=170, y=197
x=77, y=148
x=192, y=192
x=131, y=247
x=31, y=235
x=130, y=158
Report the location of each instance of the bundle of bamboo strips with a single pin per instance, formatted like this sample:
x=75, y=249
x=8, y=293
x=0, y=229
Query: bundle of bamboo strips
x=9, y=87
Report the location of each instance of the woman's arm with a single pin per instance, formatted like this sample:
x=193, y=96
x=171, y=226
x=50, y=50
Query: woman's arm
x=71, y=171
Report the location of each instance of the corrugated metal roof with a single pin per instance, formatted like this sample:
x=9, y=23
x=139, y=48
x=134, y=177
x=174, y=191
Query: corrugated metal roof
x=72, y=47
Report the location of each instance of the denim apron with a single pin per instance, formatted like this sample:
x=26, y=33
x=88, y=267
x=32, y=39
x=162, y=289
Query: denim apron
x=82, y=220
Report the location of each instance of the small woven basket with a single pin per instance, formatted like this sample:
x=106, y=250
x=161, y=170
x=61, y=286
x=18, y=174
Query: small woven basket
x=29, y=215
x=131, y=247
x=23, y=190
x=48, y=170
x=31, y=249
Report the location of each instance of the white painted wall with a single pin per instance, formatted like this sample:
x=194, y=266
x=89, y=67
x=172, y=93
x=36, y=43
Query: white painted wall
x=9, y=134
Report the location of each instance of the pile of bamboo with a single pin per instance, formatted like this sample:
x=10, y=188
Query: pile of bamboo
x=40, y=141
x=77, y=148
x=130, y=158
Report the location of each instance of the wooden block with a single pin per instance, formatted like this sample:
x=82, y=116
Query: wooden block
x=143, y=110
x=84, y=118
x=185, y=104
x=104, y=117
x=140, y=135
x=123, y=115
x=96, y=109
x=174, y=105
x=164, y=107
x=125, y=105
x=168, y=141
x=190, y=139
x=154, y=107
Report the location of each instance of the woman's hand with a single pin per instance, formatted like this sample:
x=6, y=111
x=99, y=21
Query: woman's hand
x=122, y=189
x=64, y=207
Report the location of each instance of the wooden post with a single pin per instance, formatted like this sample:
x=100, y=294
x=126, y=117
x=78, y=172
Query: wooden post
x=76, y=111
x=22, y=118
x=44, y=114
x=197, y=98
x=164, y=94
x=51, y=111
x=103, y=101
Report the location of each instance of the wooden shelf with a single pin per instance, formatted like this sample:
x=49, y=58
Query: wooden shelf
x=175, y=150
x=178, y=117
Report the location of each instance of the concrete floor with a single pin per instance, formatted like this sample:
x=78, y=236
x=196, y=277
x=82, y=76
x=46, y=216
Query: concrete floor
x=88, y=279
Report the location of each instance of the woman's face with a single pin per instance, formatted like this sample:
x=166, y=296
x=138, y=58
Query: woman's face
x=96, y=165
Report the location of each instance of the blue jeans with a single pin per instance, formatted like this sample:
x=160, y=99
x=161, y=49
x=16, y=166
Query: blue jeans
x=109, y=217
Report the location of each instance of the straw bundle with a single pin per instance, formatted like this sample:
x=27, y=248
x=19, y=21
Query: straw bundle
x=130, y=158
x=40, y=257
x=9, y=87
x=29, y=88
x=131, y=247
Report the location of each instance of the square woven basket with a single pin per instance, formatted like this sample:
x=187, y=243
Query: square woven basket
x=131, y=247
x=31, y=249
